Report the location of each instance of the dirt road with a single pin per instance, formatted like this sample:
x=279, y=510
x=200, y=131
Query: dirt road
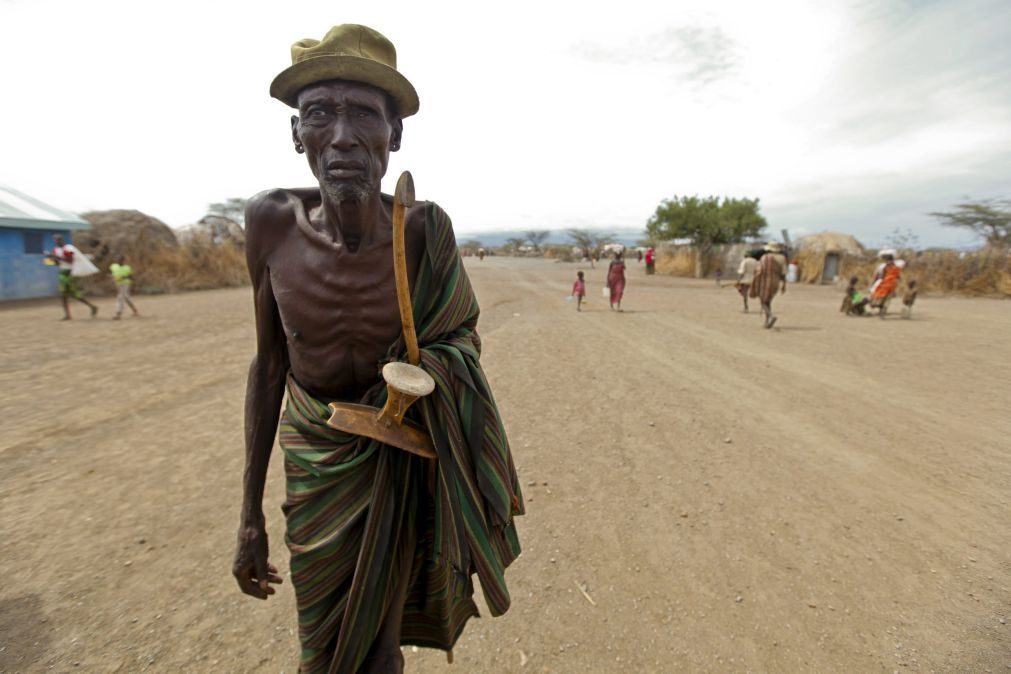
x=832, y=495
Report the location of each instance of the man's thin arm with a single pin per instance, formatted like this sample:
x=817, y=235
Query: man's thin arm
x=264, y=392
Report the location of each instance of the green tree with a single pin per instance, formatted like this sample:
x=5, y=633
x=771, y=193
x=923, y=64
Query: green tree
x=581, y=239
x=537, y=237
x=515, y=243
x=989, y=219
x=587, y=241
x=601, y=239
x=471, y=246
x=706, y=222
x=233, y=209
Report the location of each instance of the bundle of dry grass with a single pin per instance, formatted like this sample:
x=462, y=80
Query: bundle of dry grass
x=559, y=252
x=680, y=261
x=160, y=262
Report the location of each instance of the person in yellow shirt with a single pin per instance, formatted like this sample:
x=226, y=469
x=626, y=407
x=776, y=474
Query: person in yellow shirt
x=122, y=276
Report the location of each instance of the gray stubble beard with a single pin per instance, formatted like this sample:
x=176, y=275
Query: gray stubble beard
x=343, y=192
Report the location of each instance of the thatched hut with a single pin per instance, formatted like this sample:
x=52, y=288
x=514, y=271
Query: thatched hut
x=822, y=258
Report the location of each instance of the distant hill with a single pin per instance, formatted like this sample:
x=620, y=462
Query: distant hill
x=628, y=237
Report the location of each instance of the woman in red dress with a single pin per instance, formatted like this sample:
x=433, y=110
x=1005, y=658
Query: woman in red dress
x=616, y=279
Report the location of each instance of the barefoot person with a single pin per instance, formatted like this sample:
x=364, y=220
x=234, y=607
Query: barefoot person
x=72, y=264
x=122, y=276
x=770, y=277
x=616, y=279
x=908, y=299
x=579, y=290
x=383, y=543
x=746, y=275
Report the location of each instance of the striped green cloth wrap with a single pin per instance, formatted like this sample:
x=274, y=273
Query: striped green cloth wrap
x=356, y=508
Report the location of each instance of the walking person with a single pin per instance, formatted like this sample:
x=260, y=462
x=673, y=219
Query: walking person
x=122, y=276
x=908, y=299
x=746, y=275
x=650, y=258
x=769, y=278
x=72, y=264
x=383, y=543
x=579, y=290
x=616, y=279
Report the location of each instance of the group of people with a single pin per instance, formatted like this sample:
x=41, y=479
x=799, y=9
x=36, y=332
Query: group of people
x=73, y=265
x=761, y=275
x=615, y=283
x=884, y=287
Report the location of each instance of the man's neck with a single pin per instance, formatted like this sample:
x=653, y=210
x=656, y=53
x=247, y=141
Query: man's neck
x=353, y=223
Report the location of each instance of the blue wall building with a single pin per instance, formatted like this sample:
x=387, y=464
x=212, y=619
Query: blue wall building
x=27, y=227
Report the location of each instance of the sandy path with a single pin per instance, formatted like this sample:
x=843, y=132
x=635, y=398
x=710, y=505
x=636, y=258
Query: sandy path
x=731, y=498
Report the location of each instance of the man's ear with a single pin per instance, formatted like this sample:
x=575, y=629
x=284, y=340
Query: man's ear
x=396, y=135
x=294, y=130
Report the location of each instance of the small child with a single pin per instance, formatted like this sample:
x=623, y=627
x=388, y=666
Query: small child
x=579, y=290
x=908, y=299
x=122, y=276
x=847, y=300
x=854, y=302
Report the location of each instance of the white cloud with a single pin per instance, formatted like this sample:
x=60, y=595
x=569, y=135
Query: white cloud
x=533, y=115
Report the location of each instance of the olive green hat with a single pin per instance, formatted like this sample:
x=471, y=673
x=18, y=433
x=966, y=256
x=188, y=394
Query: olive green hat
x=347, y=52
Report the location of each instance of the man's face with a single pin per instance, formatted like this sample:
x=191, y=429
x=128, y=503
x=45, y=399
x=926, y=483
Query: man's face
x=58, y=240
x=347, y=129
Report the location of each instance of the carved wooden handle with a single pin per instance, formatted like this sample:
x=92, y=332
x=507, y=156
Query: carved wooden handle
x=403, y=199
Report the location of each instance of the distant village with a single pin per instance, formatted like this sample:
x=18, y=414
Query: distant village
x=209, y=253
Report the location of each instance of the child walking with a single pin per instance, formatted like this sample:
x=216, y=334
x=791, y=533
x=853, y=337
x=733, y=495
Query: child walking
x=579, y=290
x=122, y=275
x=908, y=299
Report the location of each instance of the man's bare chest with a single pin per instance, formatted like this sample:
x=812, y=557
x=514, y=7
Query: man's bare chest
x=327, y=295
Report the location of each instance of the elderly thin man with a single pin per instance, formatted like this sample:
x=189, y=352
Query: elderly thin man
x=383, y=543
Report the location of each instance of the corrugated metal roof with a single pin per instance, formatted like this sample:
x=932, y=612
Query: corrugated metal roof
x=21, y=211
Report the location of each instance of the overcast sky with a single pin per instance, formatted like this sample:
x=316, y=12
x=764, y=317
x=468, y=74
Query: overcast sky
x=844, y=115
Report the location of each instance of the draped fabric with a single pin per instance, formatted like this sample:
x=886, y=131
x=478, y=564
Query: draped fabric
x=616, y=280
x=359, y=513
x=888, y=284
x=768, y=277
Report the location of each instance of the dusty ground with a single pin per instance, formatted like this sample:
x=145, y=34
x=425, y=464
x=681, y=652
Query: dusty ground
x=832, y=495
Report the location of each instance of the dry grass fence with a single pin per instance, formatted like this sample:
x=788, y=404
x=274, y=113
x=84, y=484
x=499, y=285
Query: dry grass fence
x=162, y=262
x=680, y=261
x=984, y=273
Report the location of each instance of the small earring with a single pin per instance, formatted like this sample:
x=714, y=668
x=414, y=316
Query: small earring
x=394, y=147
x=299, y=149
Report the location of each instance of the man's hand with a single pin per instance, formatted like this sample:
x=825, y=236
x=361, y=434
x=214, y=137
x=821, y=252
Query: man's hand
x=251, y=567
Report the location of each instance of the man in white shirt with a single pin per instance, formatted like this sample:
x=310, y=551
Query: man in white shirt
x=746, y=275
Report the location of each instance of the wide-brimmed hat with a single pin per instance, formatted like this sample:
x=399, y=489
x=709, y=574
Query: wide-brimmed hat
x=886, y=251
x=347, y=52
x=773, y=247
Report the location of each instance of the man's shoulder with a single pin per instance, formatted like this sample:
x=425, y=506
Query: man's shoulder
x=271, y=205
